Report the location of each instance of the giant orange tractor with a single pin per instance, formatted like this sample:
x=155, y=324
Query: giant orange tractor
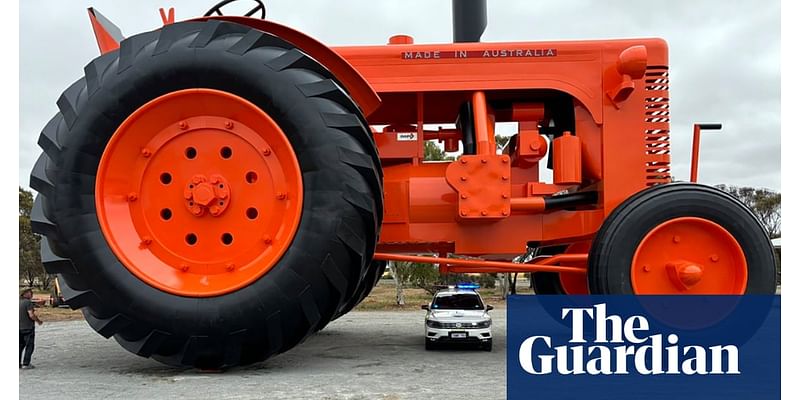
x=216, y=190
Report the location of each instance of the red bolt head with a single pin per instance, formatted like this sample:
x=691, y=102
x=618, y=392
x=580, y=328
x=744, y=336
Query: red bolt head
x=463, y=179
x=463, y=213
x=214, y=210
x=132, y=196
x=463, y=195
x=281, y=196
x=505, y=160
x=646, y=268
x=229, y=125
x=196, y=210
x=505, y=195
x=266, y=239
x=183, y=125
x=146, y=241
x=463, y=160
x=676, y=239
x=203, y=194
x=484, y=161
x=714, y=258
x=229, y=267
x=484, y=212
x=505, y=212
x=146, y=152
x=505, y=177
x=184, y=267
x=267, y=151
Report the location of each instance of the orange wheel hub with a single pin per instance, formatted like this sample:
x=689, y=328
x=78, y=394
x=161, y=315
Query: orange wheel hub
x=199, y=193
x=689, y=255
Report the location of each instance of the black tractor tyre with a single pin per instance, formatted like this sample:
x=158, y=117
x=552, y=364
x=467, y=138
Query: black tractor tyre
x=369, y=282
x=617, y=240
x=329, y=257
x=547, y=283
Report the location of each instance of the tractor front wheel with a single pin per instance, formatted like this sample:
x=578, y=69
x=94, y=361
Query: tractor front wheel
x=682, y=239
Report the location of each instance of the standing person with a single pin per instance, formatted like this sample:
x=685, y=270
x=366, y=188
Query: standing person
x=27, y=330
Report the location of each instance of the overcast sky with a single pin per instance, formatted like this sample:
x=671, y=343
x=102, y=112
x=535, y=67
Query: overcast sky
x=724, y=58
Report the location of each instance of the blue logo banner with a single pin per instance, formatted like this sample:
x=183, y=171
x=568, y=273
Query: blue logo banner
x=643, y=347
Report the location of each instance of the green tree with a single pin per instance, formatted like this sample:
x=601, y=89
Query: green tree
x=435, y=153
x=31, y=270
x=501, y=141
x=765, y=204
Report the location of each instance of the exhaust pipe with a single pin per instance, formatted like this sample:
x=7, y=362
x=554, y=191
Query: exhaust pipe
x=469, y=20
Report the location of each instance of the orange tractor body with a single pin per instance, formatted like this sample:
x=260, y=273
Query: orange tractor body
x=214, y=191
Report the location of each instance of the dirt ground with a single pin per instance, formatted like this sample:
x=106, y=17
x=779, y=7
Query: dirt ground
x=363, y=355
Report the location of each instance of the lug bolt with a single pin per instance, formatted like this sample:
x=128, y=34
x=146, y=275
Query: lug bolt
x=132, y=196
x=267, y=151
x=146, y=152
x=676, y=239
x=714, y=258
x=229, y=125
x=229, y=267
x=646, y=268
x=183, y=125
x=184, y=267
x=266, y=239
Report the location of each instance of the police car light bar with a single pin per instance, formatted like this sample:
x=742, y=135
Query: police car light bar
x=468, y=285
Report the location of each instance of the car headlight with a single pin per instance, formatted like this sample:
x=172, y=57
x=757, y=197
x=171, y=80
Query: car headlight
x=484, y=324
x=433, y=324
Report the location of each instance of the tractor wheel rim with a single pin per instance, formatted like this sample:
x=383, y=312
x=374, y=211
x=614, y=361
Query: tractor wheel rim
x=199, y=193
x=689, y=255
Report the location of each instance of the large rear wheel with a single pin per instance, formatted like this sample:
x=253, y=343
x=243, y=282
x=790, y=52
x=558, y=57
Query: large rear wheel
x=210, y=195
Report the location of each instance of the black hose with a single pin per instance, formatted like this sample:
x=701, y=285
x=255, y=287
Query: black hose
x=569, y=200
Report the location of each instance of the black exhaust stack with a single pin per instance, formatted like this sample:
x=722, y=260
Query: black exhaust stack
x=469, y=20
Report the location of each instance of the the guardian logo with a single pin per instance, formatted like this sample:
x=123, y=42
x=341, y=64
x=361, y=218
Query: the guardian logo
x=627, y=348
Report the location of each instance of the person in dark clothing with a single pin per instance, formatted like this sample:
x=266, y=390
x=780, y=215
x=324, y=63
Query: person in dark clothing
x=27, y=330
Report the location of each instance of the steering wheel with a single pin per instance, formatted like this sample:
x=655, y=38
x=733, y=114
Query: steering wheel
x=217, y=9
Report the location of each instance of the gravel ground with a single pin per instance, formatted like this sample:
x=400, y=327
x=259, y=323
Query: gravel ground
x=363, y=355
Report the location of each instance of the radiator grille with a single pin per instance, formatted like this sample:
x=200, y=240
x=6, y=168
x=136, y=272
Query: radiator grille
x=656, y=121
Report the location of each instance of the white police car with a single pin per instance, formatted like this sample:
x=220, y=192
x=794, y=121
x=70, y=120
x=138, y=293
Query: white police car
x=457, y=315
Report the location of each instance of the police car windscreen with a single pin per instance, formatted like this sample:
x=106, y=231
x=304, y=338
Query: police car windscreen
x=457, y=301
